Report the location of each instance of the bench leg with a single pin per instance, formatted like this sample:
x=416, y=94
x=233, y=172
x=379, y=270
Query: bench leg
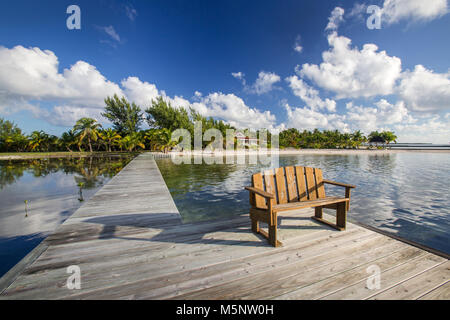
x=273, y=236
x=255, y=225
x=318, y=212
x=341, y=215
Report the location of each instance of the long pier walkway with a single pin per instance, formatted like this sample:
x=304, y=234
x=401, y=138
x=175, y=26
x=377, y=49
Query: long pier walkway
x=129, y=242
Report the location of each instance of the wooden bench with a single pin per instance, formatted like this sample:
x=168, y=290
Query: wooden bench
x=291, y=188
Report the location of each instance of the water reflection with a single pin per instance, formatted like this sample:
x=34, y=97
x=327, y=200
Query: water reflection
x=404, y=193
x=37, y=195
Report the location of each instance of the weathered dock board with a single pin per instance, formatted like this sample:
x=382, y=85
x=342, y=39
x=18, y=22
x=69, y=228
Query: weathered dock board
x=129, y=243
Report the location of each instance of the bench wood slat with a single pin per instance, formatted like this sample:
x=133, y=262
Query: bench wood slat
x=319, y=183
x=311, y=183
x=281, y=185
x=300, y=172
x=257, y=182
x=291, y=184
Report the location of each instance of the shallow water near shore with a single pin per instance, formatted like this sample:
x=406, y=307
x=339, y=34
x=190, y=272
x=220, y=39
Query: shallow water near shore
x=405, y=194
x=51, y=188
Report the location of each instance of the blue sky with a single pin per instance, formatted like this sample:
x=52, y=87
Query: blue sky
x=303, y=64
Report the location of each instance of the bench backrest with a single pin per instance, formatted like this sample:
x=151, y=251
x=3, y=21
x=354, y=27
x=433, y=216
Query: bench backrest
x=288, y=184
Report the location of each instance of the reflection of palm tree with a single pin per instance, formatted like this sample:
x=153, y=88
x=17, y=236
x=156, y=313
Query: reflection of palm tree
x=87, y=128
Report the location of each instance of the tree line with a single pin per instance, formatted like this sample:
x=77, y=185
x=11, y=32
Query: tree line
x=162, y=118
x=332, y=139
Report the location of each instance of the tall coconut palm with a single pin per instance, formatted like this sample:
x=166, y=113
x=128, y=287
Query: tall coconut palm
x=110, y=137
x=87, y=128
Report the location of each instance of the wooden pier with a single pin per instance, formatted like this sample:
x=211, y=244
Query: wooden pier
x=130, y=243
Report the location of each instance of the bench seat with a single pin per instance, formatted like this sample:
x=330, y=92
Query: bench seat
x=308, y=204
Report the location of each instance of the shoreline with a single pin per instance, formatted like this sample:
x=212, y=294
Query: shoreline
x=26, y=156
x=304, y=151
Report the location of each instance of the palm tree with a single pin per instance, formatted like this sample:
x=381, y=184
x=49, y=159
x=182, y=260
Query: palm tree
x=131, y=141
x=67, y=140
x=87, y=128
x=38, y=140
x=110, y=137
x=358, y=138
x=389, y=137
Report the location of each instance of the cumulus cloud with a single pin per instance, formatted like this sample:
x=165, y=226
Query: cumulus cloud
x=234, y=111
x=29, y=76
x=352, y=73
x=431, y=130
x=310, y=95
x=310, y=119
x=382, y=115
x=416, y=10
x=264, y=83
x=337, y=16
x=32, y=74
x=424, y=90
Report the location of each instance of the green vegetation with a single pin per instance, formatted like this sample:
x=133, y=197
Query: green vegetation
x=163, y=118
x=328, y=139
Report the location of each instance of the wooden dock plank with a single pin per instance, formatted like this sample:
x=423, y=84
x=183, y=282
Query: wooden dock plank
x=415, y=287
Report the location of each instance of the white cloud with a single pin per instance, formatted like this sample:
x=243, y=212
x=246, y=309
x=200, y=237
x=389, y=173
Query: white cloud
x=32, y=74
x=264, y=83
x=297, y=46
x=416, y=10
x=142, y=93
x=424, y=90
x=383, y=115
x=240, y=76
x=310, y=95
x=310, y=119
x=431, y=130
x=337, y=16
x=234, y=111
x=131, y=12
x=68, y=115
x=351, y=73
x=110, y=31
x=358, y=11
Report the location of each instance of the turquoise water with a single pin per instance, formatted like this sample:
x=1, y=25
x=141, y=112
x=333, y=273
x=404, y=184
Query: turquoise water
x=52, y=189
x=406, y=194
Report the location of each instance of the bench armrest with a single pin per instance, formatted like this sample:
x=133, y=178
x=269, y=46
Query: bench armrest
x=260, y=192
x=339, y=184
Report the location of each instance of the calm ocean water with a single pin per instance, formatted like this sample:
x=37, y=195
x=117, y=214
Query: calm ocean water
x=52, y=189
x=406, y=194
